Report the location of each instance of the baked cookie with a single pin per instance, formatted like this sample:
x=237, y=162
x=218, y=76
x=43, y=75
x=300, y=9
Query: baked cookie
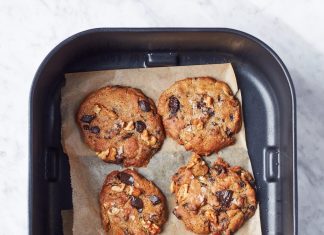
x=215, y=200
x=200, y=113
x=122, y=125
x=131, y=204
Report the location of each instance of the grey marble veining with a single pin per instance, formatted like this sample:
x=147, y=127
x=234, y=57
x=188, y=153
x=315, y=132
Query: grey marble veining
x=30, y=29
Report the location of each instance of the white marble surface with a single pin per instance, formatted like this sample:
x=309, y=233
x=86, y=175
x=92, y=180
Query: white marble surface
x=30, y=29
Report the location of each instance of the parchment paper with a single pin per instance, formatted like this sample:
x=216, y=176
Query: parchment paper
x=88, y=171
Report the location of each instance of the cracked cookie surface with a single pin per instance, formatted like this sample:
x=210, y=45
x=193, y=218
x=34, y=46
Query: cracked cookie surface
x=131, y=205
x=217, y=199
x=200, y=113
x=121, y=125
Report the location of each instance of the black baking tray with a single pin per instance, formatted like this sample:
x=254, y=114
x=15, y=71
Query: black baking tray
x=268, y=102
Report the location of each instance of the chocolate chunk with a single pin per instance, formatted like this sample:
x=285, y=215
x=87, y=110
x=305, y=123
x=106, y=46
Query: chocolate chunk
x=229, y=132
x=174, y=105
x=137, y=203
x=119, y=159
x=87, y=118
x=86, y=127
x=231, y=117
x=210, y=112
x=242, y=184
x=200, y=104
x=219, y=169
x=125, y=178
x=155, y=200
x=127, y=136
x=224, y=197
x=95, y=129
x=140, y=126
x=144, y=105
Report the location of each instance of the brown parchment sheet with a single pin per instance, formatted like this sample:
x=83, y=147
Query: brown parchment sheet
x=88, y=172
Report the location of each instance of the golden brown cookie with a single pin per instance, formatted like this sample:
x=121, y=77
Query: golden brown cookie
x=131, y=205
x=215, y=200
x=121, y=124
x=200, y=113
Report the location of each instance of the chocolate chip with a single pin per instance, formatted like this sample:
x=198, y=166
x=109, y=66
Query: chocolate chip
x=200, y=104
x=144, y=105
x=224, y=197
x=127, y=136
x=231, y=117
x=210, y=112
x=229, y=132
x=219, y=98
x=155, y=200
x=213, y=123
x=119, y=159
x=137, y=203
x=95, y=129
x=140, y=126
x=242, y=184
x=174, y=105
x=126, y=178
x=86, y=127
x=87, y=118
x=219, y=169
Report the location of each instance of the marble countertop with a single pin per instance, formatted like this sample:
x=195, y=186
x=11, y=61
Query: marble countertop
x=30, y=29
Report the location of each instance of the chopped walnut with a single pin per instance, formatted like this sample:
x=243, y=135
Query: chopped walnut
x=183, y=192
x=209, y=101
x=96, y=109
x=129, y=126
x=103, y=154
x=113, y=211
x=118, y=188
x=111, y=114
x=150, y=140
x=151, y=227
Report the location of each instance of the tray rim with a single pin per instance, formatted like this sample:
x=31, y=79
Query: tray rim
x=167, y=30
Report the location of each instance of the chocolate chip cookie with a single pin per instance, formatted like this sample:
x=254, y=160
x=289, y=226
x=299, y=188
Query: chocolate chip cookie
x=131, y=204
x=122, y=125
x=200, y=113
x=215, y=200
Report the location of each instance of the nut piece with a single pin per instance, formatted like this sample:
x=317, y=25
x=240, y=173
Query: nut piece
x=112, y=154
x=172, y=186
x=96, y=109
x=183, y=192
x=129, y=126
x=103, y=154
x=113, y=211
x=152, y=140
x=209, y=101
x=118, y=188
x=132, y=217
x=145, y=136
x=151, y=227
x=198, y=123
x=111, y=114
